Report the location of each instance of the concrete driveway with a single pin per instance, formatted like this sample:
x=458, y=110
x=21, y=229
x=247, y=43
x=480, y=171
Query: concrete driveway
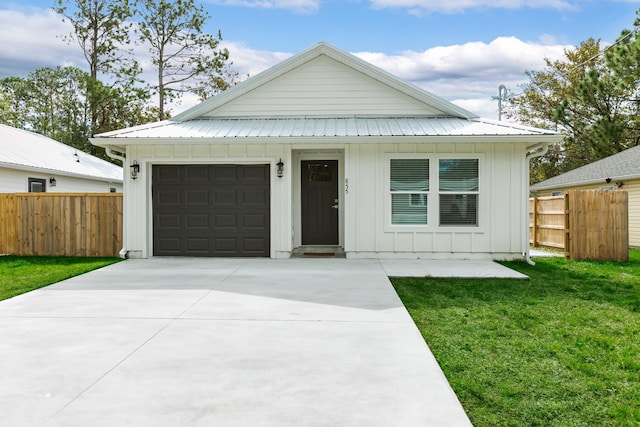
x=220, y=342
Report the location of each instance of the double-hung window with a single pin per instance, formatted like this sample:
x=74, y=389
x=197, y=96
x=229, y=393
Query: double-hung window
x=458, y=192
x=409, y=187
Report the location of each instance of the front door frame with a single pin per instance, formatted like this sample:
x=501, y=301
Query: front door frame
x=298, y=156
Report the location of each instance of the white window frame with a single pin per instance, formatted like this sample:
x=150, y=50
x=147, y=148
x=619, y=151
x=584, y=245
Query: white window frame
x=459, y=193
x=433, y=195
x=426, y=194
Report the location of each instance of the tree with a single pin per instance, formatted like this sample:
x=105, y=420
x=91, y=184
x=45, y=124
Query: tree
x=546, y=101
x=185, y=58
x=101, y=29
x=54, y=102
x=613, y=95
x=14, y=96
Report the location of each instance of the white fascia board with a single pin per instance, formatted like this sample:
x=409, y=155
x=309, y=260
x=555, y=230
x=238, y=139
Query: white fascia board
x=540, y=140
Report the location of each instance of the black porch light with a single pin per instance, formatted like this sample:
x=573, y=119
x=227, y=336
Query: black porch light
x=135, y=169
x=280, y=168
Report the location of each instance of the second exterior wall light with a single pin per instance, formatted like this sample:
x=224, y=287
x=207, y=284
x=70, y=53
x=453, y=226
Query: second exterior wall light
x=280, y=168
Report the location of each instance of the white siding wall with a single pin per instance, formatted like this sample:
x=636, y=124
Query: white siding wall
x=138, y=226
x=367, y=231
x=17, y=181
x=323, y=87
x=500, y=233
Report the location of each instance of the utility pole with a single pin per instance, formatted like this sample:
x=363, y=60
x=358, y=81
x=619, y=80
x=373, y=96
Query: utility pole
x=502, y=95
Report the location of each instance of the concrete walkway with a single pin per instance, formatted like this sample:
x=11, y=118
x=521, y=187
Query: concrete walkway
x=220, y=342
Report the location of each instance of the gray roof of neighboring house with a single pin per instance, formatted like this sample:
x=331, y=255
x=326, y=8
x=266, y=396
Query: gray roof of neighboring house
x=324, y=127
x=620, y=166
x=21, y=149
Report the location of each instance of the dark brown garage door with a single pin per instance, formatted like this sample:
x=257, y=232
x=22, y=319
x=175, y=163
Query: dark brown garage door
x=211, y=210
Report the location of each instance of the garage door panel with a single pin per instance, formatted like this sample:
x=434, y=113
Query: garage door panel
x=226, y=221
x=197, y=221
x=254, y=197
x=168, y=221
x=197, y=245
x=225, y=174
x=168, y=173
x=195, y=173
x=226, y=214
x=169, y=197
x=225, y=197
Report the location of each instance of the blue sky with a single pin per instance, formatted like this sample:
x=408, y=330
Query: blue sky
x=458, y=49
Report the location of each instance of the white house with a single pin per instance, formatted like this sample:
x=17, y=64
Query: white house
x=30, y=162
x=326, y=152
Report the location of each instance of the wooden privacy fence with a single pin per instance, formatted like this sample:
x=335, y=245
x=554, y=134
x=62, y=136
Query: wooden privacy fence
x=587, y=224
x=66, y=224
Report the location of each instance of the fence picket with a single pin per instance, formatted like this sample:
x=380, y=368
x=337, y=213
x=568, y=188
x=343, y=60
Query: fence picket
x=69, y=224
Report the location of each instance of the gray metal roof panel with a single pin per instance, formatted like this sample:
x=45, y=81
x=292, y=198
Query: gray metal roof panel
x=623, y=164
x=323, y=127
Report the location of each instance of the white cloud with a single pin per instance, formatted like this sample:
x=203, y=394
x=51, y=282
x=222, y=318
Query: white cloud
x=469, y=74
x=250, y=62
x=298, y=6
x=30, y=39
x=452, y=6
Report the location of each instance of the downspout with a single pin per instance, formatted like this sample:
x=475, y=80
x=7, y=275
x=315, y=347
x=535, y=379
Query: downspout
x=540, y=151
x=123, y=252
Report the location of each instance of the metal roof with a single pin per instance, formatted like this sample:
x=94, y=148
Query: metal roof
x=302, y=127
x=625, y=164
x=21, y=149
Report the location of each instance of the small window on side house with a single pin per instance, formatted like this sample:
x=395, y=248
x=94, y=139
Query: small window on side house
x=459, y=190
x=556, y=193
x=37, y=185
x=409, y=188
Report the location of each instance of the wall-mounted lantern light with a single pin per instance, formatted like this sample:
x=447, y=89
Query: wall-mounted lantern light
x=135, y=169
x=280, y=168
x=52, y=182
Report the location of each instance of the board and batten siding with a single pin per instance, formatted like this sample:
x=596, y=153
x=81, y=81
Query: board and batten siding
x=323, y=87
x=502, y=206
x=630, y=186
x=138, y=227
x=366, y=231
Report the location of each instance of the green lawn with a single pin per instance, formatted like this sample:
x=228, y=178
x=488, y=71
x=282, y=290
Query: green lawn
x=562, y=349
x=20, y=274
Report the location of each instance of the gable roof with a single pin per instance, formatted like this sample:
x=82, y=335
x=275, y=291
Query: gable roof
x=251, y=111
x=323, y=49
x=21, y=149
x=623, y=165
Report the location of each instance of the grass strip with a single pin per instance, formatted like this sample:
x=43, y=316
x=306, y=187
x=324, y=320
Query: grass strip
x=562, y=349
x=20, y=274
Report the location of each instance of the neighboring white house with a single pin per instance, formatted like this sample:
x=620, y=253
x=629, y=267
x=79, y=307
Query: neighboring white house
x=324, y=151
x=30, y=162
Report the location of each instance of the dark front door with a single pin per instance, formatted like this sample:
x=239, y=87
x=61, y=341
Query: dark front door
x=211, y=210
x=319, y=202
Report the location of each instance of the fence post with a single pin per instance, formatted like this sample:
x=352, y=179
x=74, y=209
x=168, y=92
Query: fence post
x=534, y=232
x=567, y=227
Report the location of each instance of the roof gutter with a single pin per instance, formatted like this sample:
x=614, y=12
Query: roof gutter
x=124, y=254
x=532, y=152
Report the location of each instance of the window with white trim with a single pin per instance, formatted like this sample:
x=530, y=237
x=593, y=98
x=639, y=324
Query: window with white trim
x=409, y=187
x=458, y=192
